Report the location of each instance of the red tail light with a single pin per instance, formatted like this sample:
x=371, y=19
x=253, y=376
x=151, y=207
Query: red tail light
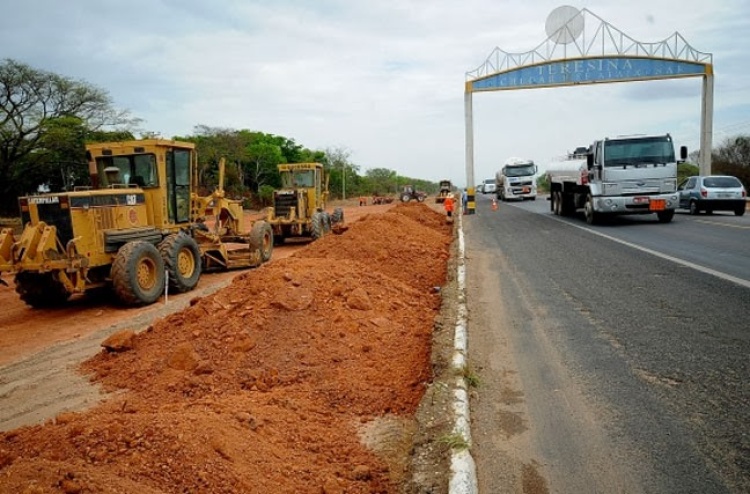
x=704, y=192
x=744, y=193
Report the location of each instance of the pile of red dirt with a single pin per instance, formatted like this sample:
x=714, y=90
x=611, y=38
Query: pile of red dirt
x=264, y=386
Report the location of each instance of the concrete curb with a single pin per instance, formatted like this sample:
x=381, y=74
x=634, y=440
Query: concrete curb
x=463, y=479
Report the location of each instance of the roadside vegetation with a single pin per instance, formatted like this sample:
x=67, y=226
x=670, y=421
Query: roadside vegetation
x=46, y=119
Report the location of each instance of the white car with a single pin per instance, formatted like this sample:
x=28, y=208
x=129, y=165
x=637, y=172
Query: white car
x=488, y=187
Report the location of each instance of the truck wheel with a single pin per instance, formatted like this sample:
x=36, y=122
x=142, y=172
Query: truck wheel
x=556, y=203
x=592, y=217
x=665, y=216
x=337, y=216
x=740, y=211
x=694, y=208
x=317, y=226
x=138, y=273
x=405, y=198
x=261, y=237
x=182, y=260
x=41, y=290
x=567, y=204
x=420, y=198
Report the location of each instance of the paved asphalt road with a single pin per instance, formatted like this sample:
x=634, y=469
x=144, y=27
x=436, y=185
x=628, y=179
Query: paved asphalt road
x=621, y=370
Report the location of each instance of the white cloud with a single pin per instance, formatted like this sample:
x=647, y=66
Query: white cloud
x=383, y=79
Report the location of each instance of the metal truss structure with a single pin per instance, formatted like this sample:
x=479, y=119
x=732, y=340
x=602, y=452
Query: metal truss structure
x=583, y=48
x=588, y=35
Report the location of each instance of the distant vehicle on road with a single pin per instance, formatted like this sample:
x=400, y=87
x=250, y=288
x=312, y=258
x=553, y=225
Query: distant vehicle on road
x=515, y=180
x=488, y=186
x=712, y=193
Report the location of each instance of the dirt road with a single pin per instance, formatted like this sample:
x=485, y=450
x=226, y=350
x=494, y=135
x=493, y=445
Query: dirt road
x=305, y=382
x=25, y=331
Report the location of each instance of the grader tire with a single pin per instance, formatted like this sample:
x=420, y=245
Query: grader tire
x=337, y=216
x=182, y=260
x=41, y=290
x=138, y=273
x=317, y=226
x=262, y=238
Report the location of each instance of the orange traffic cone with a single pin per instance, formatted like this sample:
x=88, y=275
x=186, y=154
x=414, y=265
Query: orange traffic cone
x=494, y=204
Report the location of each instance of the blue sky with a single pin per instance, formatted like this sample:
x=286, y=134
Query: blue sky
x=383, y=79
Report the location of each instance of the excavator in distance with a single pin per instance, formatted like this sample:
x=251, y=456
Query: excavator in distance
x=140, y=227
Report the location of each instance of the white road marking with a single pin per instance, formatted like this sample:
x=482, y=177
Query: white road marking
x=697, y=267
x=716, y=223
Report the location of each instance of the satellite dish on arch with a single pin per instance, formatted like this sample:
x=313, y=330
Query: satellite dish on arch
x=564, y=24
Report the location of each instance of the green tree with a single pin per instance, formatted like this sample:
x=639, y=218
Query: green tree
x=344, y=180
x=59, y=161
x=732, y=157
x=39, y=110
x=685, y=170
x=261, y=157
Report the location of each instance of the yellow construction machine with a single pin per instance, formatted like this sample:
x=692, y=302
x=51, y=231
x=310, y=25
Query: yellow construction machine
x=299, y=206
x=445, y=190
x=140, y=228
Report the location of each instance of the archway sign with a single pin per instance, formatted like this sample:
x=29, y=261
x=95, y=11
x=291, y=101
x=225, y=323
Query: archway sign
x=582, y=48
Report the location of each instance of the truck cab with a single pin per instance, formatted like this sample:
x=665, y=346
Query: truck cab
x=621, y=175
x=515, y=180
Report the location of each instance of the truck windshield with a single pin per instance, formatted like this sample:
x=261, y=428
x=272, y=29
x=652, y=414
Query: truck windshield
x=519, y=171
x=638, y=151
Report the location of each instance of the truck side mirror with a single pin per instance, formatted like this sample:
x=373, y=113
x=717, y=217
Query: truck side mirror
x=683, y=153
x=590, y=161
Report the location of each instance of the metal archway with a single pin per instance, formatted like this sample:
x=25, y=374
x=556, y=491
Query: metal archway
x=586, y=49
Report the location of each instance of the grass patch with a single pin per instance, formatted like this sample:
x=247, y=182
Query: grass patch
x=455, y=441
x=470, y=376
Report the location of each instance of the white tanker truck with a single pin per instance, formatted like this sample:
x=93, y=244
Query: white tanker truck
x=515, y=180
x=622, y=175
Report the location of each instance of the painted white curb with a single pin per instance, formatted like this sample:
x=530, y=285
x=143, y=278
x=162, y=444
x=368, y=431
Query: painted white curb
x=463, y=479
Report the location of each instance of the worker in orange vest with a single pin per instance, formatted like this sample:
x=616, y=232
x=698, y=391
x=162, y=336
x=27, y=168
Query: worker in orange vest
x=448, y=205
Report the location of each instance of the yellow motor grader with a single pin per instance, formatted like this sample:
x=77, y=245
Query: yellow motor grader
x=445, y=191
x=299, y=206
x=140, y=228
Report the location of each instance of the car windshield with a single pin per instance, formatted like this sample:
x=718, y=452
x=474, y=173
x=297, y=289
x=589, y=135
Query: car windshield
x=519, y=171
x=638, y=151
x=721, y=182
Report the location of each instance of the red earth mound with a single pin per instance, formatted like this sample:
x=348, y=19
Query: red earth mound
x=264, y=386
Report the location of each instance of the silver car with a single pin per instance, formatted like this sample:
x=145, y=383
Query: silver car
x=713, y=193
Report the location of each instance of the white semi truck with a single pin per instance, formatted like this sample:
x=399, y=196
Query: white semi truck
x=621, y=175
x=515, y=180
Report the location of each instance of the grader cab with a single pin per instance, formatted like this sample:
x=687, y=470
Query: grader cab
x=140, y=221
x=299, y=206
